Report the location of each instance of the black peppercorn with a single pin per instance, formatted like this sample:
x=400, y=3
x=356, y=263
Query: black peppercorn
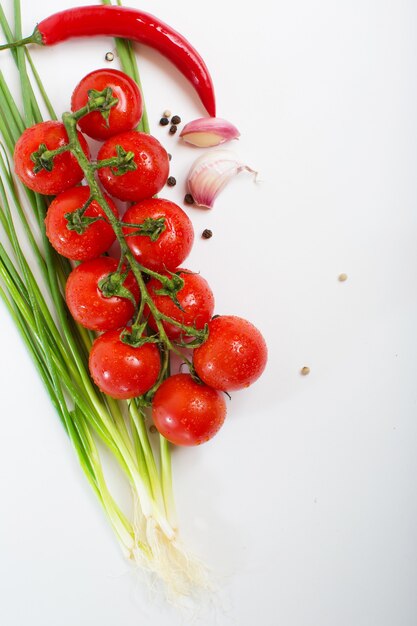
x=171, y=182
x=164, y=121
x=207, y=233
x=173, y=129
x=176, y=119
x=188, y=199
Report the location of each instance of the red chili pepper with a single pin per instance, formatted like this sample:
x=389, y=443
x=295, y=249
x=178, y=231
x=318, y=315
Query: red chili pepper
x=128, y=24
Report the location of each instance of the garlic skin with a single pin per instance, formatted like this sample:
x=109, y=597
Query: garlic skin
x=206, y=132
x=210, y=173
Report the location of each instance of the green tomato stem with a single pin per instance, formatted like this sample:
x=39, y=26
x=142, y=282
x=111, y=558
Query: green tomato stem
x=50, y=154
x=70, y=121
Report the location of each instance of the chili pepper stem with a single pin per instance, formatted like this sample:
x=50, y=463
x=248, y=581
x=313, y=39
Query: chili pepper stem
x=35, y=37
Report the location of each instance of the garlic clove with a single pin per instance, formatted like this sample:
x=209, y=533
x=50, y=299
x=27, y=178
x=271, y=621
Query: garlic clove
x=210, y=173
x=206, y=132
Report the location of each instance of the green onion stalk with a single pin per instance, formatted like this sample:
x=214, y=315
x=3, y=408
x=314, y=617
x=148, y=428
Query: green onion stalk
x=59, y=347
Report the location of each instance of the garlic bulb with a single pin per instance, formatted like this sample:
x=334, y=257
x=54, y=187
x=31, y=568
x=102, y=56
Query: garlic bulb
x=210, y=173
x=209, y=131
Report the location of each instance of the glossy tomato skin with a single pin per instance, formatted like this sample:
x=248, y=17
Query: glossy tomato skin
x=65, y=172
x=124, y=115
x=196, y=299
x=122, y=371
x=233, y=356
x=187, y=413
x=152, y=167
x=86, y=302
x=172, y=246
x=96, y=239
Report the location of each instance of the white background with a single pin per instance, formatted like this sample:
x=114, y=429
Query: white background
x=305, y=504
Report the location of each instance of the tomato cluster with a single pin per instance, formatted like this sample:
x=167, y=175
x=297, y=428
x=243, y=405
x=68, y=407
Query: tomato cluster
x=144, y=304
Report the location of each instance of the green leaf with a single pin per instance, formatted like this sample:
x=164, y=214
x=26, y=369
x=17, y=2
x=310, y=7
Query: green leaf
x=112, y=285
x=171, y=287
x=102, y=101
x=125, y=162
x=150, y=227
x=41, y=163
x=136, y=338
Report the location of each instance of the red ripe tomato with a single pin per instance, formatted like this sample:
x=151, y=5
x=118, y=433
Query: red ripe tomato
x=233, y=356
x=173, y=244
x=152, y=167
x=122, y=371
x=65, y=171
x=196, y=299
x=96, y=239
x=187, y=413
x=123, y=116
x=88, y=306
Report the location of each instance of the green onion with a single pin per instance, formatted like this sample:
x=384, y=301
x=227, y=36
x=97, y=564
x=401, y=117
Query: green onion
x=59, y=349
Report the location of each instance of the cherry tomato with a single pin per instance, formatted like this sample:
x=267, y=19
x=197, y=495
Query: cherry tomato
x=96, y=239
x=65, y=171
x=87, y=304
x=123, y=116
x=233, y=356
x=122, y=371
x=152, y=167
x=173, y=244
x=187, y=413
x=196, y=299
